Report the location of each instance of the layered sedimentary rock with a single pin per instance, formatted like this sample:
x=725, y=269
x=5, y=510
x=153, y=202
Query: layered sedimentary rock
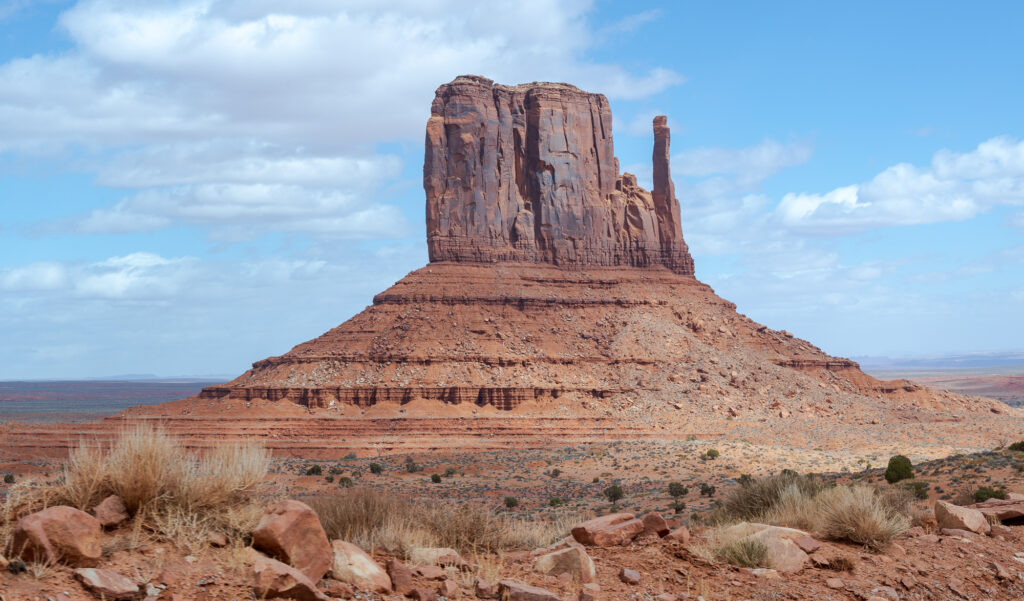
x=528, y=173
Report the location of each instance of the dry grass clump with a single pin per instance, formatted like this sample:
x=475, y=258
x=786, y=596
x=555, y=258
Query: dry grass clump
x=178, y=494
x=858, y=513
x=746, y=553
x=371, y=519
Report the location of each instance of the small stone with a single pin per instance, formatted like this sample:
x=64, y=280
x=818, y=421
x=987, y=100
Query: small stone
x=629, y=576
x=766, y=573
x=449, y=589
x=655, y=524
x=834, y=583
x=107, y=584
x=291, y=532
x=510, y=590
x=337, y=588
x=401, y=576
x=423, y=594
x=679, y=535
x=485, y=589
x=59, y=534
x=589, y=592
x=431, y=572
x=1001, y=572
x=110, y=512
x=807, y=544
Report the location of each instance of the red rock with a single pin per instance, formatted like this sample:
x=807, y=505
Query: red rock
x=680, y=535
x=542, y=155
x=431, y=572
x=216, y=539
x=271, y=579
x=1001, y=572
x=449, y=589
x=441, y=556
x=336, y=588
x=807, y=544
x=589, y=592
x=291, y=532
x=609, y=530
x=571, y=560
x=59, y=534
x=834, y=583
x=423, y=594
x=401, y=576
x=510, y=590
x=353, y=566
x=108, y=584
x=655, y=524
x=957, y=532
x=1001, y=530
x=961, y=518
x=629, y=576
x=110, y=512
x=1001, y=509
x=485, y=589
x=928, y=538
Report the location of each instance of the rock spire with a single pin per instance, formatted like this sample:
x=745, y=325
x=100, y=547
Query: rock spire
x=528, y=173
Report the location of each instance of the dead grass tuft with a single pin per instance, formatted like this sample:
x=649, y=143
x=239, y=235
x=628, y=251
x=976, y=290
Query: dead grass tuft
x=373, y=519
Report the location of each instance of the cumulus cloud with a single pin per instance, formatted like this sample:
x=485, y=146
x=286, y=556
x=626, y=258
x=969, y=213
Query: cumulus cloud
x=137, y=275
x=210, y=102
x=956, y=186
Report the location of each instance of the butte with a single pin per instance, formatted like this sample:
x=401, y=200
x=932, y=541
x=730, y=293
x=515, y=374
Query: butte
x=559, y=306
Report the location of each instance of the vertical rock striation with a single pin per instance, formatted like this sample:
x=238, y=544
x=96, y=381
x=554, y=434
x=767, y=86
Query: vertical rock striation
x=528, y=173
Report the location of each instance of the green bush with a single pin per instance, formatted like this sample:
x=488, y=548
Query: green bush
x=707, y=490
x=335, y=470
x=754, y=498
x=411, y=466
x=678, y=506
x=613, y=493
x=710, y=454
x=329, y=478
x=511, y=502
x=917, y=488
x=677, y=489
x=449, y=472
x=556, y=501
x=345, y=482
x=556, y=473
x=314, y=470
x=1017, y=446
x=746, y=553
x=988, y=492
x=435, y=478
x=376, y=468
x=596, y=480
x=8, y=478
x=899, y=468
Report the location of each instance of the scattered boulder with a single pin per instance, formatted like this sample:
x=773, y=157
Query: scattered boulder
x=449, y=588
x=353, y=566
x=1001, y=530
x=807, y=544
x=608, y=530
x=1001, y=509
x=422, y=594
x=485, y=589
x=571, y=560
x=679, y=535
x=628, y=576
x=273, y=579
x=655, y=524
x=57, y=534
x=431, y=572
x=834, y=583
x=291, y=532
x=961, y=518
x=111, y=512
x=784, y=554
x=401, y=576
x=589, y=592
x=108, y=584
x=510, y=590
x=336, y=588
x=439, y=556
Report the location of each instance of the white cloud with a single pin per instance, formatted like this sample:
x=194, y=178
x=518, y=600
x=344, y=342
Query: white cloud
x=631, y=23
x=37, y=276
x=756, y=162
x=193, y=101
x=137, y=275
x=956, y=186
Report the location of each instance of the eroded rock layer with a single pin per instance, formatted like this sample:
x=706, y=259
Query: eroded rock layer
x=528, y=173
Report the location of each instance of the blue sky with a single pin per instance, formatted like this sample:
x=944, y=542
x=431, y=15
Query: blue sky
x=190, y=187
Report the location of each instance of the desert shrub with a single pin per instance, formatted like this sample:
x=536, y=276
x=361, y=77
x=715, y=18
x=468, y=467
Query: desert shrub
x=858, y=514
x=376, y=468
x=899, y=468
x=757, y=497
x=8, y=478
x=556, y=501
x=555, y=473
x=596, y=480
x=411, y=466
x=1017, y=446
x=613, y=493
x=676, y=490
x=350, y=455
x=918, y=488
x=328, y=478
x=747, y=553
x=712, y=454
x=435, y=478
x=678, y=505
x=707, y=490
x=989, y=492
x=345, y=482
x=449, y=472
x=511, y=502
x=314, y=470
x=180, y=495
x=369, y=518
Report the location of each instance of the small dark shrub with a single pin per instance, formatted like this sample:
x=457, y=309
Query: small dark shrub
x=678, y=506
x=556, y=501
x=411, y=466
x=329, y=478
x=376, y=468
x=335, y=470
x=449, y=472
x=314, y=470
x=8, y=478
x=435, y=478
x=1017, y=446
x=345, y=482
x=556, y=473
x=511, y=502
x=707, y=490
x=710, y=454
x=676, y=490
x=918, y=488
x=350, y=455
x=596, y=480
x=899, y=468
x=988, y=492
x=613, y=493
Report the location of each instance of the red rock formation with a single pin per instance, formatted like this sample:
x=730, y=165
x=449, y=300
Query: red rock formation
x=528, y=173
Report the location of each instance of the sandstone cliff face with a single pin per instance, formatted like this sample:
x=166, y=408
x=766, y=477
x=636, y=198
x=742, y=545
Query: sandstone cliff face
x=528, y=173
